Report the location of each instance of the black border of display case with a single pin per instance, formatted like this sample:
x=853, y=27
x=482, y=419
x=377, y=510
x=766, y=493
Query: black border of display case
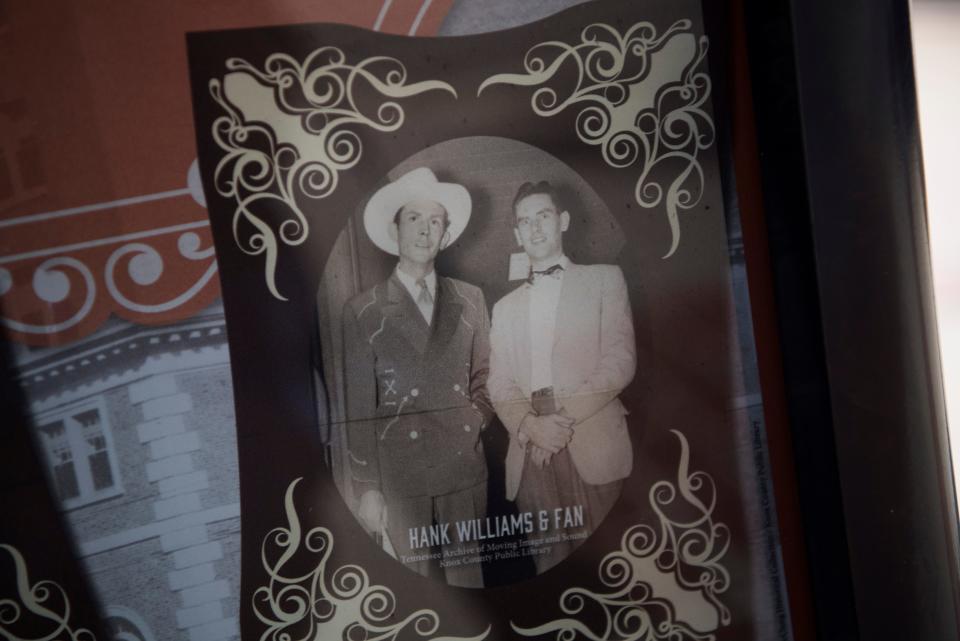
x=843, y=191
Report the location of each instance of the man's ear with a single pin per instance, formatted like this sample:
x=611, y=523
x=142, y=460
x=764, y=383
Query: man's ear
x=564, y=220
x=445, y=240
x=393, y=232
x=516, y=234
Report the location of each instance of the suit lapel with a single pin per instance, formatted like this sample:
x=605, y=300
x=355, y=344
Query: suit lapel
x=570, y=296
x=405, y=315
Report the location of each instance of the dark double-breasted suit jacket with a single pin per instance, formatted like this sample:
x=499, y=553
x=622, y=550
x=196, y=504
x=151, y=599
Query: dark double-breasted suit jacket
x=415, y=393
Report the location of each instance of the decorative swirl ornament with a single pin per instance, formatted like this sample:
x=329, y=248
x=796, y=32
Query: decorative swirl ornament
x=52, y=285
x=320, y=604
x=46, y=601
x=144, y=265
x=688, y=548
x=288, y=132
x=642, y=100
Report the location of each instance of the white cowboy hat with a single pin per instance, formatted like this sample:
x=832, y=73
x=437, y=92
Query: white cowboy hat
x=419, y=184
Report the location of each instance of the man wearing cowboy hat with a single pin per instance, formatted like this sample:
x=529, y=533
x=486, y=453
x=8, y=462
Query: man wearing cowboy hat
x=416, y=350
x=562, y=351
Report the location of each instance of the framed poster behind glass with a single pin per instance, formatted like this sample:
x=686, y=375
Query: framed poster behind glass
x=501, y=298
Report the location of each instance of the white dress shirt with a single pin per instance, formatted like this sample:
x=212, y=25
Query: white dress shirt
x=544, y=299
x=412, y=286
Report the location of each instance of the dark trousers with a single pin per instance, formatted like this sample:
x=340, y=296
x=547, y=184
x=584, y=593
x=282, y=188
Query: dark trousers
x=404, y=513
x=559, y=485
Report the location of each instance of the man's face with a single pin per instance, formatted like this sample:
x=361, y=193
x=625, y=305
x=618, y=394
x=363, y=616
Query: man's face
x=540, y=227
x=420, y=229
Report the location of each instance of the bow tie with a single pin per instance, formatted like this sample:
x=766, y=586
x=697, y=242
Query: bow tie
x=553, y=272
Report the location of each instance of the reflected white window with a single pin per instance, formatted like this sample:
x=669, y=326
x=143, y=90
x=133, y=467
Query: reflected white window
x=81, y=461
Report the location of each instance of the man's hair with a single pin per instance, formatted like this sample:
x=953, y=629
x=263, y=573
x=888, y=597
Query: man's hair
x=446, y=217
x=542, y=187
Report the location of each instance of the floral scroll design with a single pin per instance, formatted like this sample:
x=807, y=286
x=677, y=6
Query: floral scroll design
x=603, y=76
x=324, y=603
x=690, y=547
x=141, y=262
x=45, y=601
x=330, y=99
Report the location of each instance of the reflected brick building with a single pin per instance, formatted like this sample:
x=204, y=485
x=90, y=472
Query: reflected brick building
x=136, y=426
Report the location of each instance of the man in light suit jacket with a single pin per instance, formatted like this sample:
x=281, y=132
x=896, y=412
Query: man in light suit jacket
x=416, y=353
x=562, y=350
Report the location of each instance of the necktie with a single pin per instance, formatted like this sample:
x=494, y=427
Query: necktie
x=425, y=300
x=552, y=271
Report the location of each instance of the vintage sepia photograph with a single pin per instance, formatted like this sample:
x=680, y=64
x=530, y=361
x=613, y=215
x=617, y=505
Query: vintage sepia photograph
x=476, y=337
